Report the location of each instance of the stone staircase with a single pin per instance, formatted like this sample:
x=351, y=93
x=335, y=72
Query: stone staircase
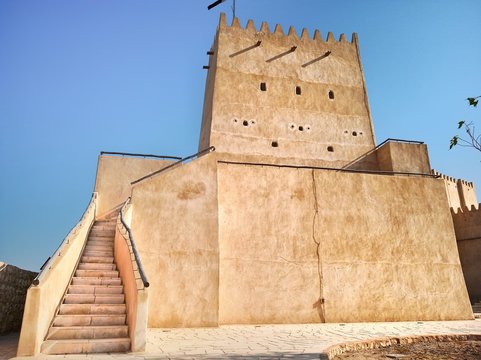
x=92, y=316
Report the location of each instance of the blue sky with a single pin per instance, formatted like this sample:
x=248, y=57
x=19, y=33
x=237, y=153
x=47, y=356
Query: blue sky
x=79, y=77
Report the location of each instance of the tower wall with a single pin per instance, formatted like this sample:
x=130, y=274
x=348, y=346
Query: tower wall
x=467, y=226
x=285, y=95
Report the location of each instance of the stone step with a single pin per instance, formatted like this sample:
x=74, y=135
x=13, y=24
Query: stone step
x=92, y=309
x=96, y=281
x=96, y=266
x=102, y=232
x=92, y=289
x=89, y=320
x=104, y=226
x=87, y=332
x=82, y=346
x=98, y=259
x=97, y=273
x=101, y=242
x=94, y=299
x=110, y=219
x=102, y=239
x=96, y=253
x=101, y=248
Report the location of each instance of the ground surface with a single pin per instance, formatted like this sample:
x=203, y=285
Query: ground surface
x=453, y=350
x=303, y=341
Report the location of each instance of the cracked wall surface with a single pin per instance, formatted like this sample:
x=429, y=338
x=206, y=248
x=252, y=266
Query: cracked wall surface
x=236, y=243
x=302, y=245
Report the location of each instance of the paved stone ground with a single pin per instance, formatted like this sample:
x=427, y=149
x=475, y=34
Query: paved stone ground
x=303, y=342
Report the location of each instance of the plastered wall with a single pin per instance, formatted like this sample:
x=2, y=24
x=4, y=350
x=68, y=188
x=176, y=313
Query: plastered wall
x=114, y=175
x=404, y=157
x=226, y=243
x=295, y=95
x=174, y=223
x=467, y=225
x=289, y=238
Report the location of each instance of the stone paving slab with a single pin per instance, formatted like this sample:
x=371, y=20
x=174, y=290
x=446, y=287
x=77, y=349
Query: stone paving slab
x=306, y=341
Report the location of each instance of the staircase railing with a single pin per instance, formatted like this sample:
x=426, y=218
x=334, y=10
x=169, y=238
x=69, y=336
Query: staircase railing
x=132, y=245
x=202, y=152
x=140, y=155
x=49, y=262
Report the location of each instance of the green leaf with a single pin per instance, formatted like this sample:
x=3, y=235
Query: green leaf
x=460, y=124
x=472, y=101
x=454, y=142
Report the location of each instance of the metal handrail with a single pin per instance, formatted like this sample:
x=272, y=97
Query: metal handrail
x=371, y=172
x=134, y=248
x=140, y=155
x=208, y=150
x=47, y=265
x=378, y=146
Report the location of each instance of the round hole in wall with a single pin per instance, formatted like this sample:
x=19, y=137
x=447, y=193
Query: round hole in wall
x=245, y=123
x=235, y=120
x=331, y=95
x=354, y=133
x=308, y=127
x=292, y=126
x=301, y=128
x=345, y=131
x=360, y=133
x=253, y=122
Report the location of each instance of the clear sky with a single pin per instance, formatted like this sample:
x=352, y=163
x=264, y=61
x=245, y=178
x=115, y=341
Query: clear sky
x=79, y=77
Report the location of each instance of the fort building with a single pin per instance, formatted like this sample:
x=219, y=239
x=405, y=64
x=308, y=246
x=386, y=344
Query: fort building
x=289, y=213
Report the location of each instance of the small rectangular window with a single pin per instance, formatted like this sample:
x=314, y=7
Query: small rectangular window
x=263, y=86
x=298, y=90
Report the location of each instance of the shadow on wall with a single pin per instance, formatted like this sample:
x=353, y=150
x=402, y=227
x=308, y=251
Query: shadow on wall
x=14, y=283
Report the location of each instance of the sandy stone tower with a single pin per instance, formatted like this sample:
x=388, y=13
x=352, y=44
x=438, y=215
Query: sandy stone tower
x=296, y=217
x=284, y=95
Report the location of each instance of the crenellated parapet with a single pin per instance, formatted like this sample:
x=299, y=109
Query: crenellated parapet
x=291, y=35
x=461, y=193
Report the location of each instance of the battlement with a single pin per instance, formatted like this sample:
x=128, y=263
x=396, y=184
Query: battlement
x=291, y=34
x=461, y=193
x=472, y=210
x=451, y=179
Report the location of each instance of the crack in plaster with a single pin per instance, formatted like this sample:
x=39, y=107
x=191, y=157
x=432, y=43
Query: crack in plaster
x=320, y=302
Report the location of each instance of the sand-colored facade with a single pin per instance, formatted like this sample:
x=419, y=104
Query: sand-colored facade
x=295, y=96
x=261, y=243
x=297, y=216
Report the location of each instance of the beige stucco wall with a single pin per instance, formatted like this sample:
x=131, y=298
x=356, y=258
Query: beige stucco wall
x=404, y=157
x=377, y=262
x=295, y=245
x=304, y=125
x=174, y=222
x=452, y=192
x=136, y=294
x=114, y=175
x=467, y=193
x=467, y=225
